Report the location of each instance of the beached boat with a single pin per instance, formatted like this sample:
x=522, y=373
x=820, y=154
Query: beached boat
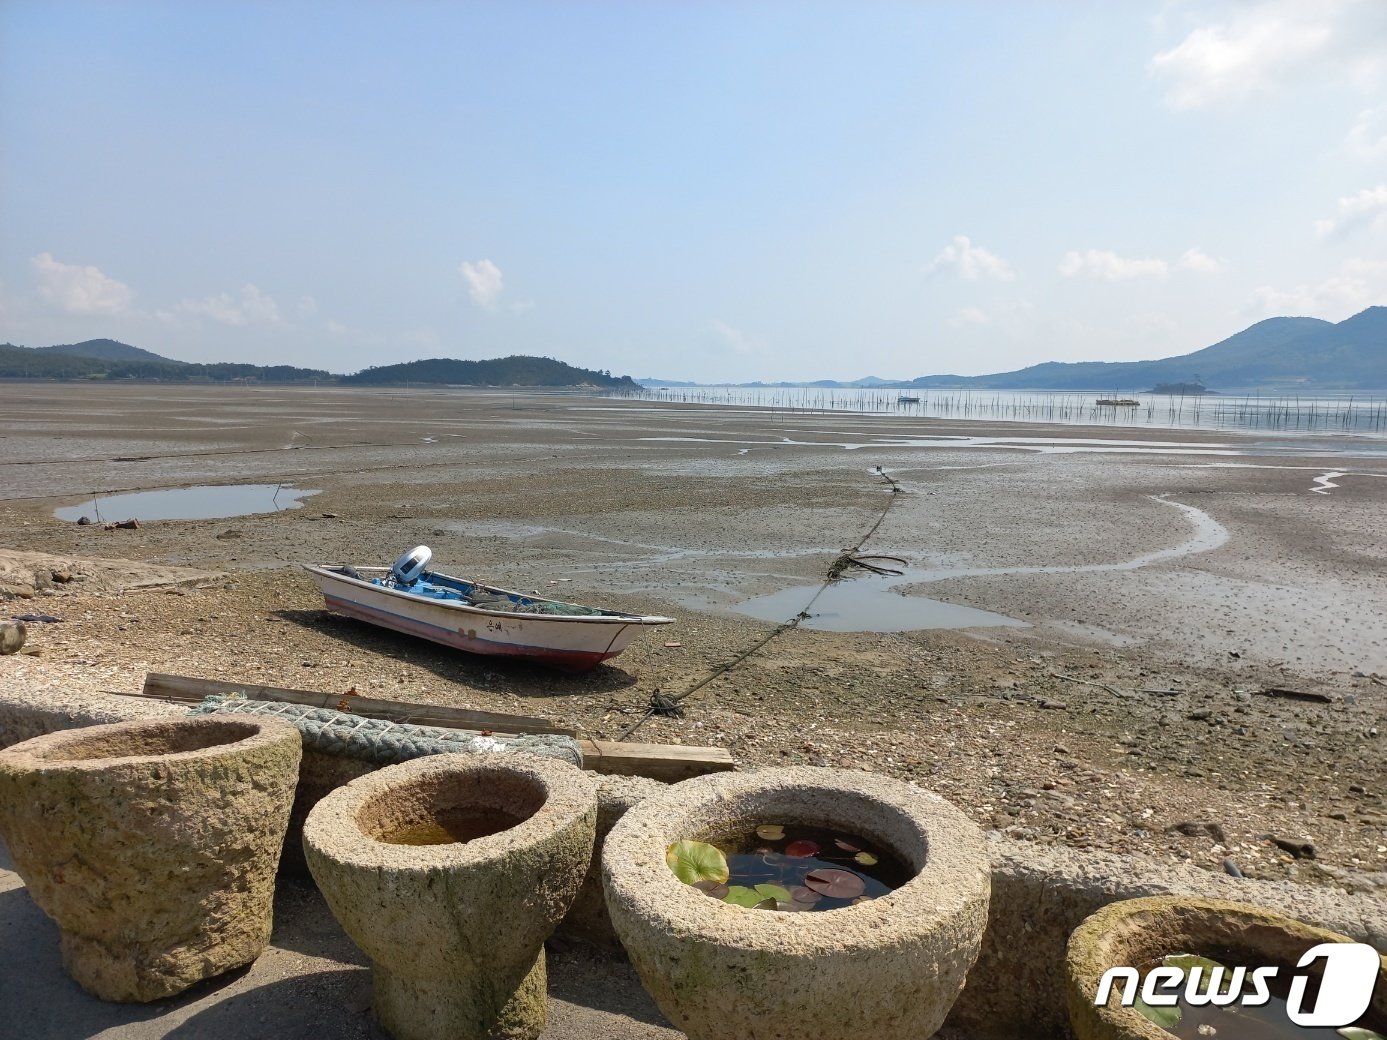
x=480, y=619
x=907, y=399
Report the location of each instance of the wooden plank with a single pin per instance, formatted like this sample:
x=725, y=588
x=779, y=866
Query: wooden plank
x=667, y=762
x=186, y=688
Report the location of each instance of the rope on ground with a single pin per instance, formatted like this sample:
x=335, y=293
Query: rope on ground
x=668, y=705
x=345, y=735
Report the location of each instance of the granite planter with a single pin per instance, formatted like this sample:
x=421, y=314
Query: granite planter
x=455, y=929
x=889, y=969
x=152, y=844
x=1142, y=932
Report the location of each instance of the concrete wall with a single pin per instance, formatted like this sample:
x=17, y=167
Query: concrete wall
x=1039, y=893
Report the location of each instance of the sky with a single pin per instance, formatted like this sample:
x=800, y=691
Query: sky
x=701, y=191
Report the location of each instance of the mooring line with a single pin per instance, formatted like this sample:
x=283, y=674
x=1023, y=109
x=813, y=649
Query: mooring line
x=668, y=704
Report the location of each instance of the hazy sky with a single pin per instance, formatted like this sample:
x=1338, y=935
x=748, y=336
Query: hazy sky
x=689, y=190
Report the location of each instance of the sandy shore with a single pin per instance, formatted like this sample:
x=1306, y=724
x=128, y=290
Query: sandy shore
x=1201, y=565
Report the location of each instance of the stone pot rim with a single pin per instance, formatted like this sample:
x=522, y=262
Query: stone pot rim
x=1089, y=952
x=333, y=830
x=635, y=870
x=33, y=754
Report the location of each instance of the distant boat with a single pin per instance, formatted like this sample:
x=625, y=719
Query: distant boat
x=1118, y=402
x=480, y=619
x=906, y=399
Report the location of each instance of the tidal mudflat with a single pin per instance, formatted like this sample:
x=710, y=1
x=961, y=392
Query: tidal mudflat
x=1134, y=592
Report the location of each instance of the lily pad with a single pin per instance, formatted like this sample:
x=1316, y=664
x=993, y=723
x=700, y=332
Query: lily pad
x=770, y=832
x=776, y=892
x=866, y=859
x=808, y=896
x=801, y=849
x=1359, y=1033
x=716, y=889
x=835, y=884
x=1165, y=1017
x=846, y=845
x=694, y=861
x=740, y=895
x=1186, y=961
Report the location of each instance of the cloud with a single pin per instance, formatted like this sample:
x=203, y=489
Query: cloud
x=1195, y=259
x=308, y=306
x=969, y=261
x=1368, y=137
x=484, y=281
x=1257, y=48
x=1107, y=265
x=1366, y=209
x=249, y=306
x=1357, y=285
x=971, y=316
x=739, y=341
x=79, y=289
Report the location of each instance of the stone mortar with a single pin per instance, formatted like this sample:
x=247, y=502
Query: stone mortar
x=1040, y=894
x=1137, y=932
x=455, y=932
x=588, y=919
x=721, y=972
x=153, y=845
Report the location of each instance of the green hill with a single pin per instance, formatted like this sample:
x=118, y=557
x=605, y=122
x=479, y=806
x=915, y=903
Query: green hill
x=1277, y=354
x=106, y=350
x=109, y=360
x=518, y=370
x=28, y=363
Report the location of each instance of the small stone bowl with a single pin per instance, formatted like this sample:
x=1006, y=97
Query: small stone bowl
x=1139, y=932
x=889, y=969
x=152, y=844
x=455, y=929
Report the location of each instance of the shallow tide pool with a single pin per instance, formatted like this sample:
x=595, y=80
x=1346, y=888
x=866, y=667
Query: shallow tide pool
x=207, y=502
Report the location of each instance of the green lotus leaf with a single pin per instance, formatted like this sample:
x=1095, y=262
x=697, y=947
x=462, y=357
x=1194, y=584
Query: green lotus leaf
x=776, y=892
x=740, y=895
x=1186, y=961
x=695, y=861
x=1165, y=1017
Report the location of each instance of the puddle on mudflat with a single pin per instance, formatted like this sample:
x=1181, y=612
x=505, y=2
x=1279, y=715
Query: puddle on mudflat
x=868, y=604
x=210, y=502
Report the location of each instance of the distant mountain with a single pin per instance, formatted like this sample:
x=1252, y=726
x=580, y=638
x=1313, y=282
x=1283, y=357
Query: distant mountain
x=518, y=370
x=1276, y=354
x=106, y=350
x=108, y=360
x=63, y=363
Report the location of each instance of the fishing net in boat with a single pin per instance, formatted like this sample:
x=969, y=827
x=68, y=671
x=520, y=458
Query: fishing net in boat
x=491, y=601
x=385, y=742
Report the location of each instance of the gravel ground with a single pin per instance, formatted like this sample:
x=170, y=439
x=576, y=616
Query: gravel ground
x=1198, y=565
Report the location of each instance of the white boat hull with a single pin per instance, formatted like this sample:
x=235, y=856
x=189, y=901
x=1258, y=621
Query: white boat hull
x=570, y=642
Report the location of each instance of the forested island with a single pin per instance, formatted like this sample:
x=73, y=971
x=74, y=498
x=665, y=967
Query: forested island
x=108, y=360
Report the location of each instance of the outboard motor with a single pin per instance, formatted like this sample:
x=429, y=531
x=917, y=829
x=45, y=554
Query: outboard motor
x=407, y=568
